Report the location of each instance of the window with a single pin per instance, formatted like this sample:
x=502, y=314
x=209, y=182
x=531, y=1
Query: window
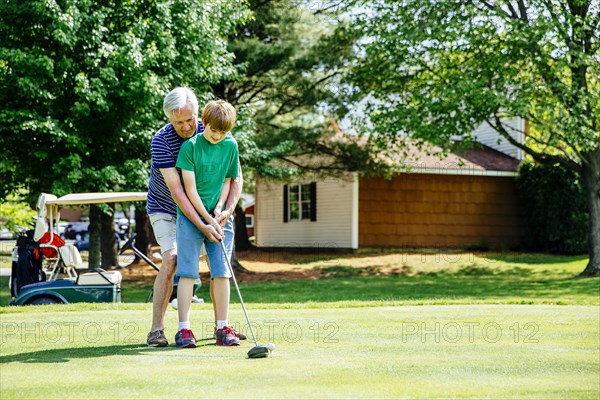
x=300, y=202
x=249, y=221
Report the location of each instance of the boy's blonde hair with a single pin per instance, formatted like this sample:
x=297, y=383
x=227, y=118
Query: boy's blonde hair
x=220, y=115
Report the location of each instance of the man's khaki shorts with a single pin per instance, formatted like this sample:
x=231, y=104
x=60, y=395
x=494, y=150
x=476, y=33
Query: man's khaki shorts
x=165, y=227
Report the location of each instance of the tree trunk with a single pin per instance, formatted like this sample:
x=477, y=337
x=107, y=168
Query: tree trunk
x=94, y=232
x=241, y=233
x=236, y=265
x=108, y=242
x=142, y=231
x=591, y=178
x=237, y=228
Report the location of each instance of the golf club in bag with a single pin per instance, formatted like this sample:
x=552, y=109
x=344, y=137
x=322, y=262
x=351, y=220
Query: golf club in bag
x=257, y=351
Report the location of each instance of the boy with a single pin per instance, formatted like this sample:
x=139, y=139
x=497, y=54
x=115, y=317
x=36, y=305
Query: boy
x=207, y=162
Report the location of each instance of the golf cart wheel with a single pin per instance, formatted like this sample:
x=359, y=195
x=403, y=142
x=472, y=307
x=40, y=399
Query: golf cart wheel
x=44, y=300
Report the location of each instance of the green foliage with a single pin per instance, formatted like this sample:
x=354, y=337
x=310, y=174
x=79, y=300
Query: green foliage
x=15, y=212
x=291, y=56
x=81, y=84
x=553, y=205
x=435, y=69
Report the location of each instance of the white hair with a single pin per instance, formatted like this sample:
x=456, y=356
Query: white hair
x=178, y=98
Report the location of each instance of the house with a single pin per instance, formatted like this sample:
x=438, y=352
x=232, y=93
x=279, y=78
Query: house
x=466, y=199
x=248, y=207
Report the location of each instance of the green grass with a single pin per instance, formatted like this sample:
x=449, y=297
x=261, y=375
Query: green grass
x=479, y=351
x=422, y=279
x=379, y=325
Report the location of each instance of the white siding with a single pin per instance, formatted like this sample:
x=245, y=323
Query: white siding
x=334, y=227
x=485, y=134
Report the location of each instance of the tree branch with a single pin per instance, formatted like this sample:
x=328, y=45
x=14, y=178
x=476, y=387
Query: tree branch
x=329, y=7
x=538, y=156
x=523, y=11
x=557, y=23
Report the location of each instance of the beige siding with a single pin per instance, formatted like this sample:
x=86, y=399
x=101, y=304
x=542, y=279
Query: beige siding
x=487, y=135
x=334, y=226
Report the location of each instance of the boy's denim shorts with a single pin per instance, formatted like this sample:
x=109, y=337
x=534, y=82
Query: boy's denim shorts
x=189, y=244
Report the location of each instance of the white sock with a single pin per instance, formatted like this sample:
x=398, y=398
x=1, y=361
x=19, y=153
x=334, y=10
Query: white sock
x=183, y=325
x=221, y=323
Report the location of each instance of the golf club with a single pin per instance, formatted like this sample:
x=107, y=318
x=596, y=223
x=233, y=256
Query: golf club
x=257, y=351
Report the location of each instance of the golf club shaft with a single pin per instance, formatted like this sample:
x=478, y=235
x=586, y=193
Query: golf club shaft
x=238, y=292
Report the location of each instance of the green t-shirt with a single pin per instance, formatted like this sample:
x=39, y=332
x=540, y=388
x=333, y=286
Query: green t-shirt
x=211, y=163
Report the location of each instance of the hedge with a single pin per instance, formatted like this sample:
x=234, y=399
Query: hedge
x=554, y=209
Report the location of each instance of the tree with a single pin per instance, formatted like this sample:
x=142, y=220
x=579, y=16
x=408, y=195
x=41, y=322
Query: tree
x=290, y=56
x=434, y=69
x=15, y=213
x=82, y=83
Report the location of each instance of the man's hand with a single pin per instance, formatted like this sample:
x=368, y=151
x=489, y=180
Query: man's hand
x=222, y=216
x=211, y=233
x=213, y=222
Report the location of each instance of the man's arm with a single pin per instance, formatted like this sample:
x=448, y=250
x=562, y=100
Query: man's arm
x=174, y=184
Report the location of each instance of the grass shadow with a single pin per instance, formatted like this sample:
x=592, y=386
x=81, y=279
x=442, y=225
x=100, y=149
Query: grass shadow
x=67, y=354
x=532, y=258
x=476, y=284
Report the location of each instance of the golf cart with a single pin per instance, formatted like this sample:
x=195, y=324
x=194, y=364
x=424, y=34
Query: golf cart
x=46, y=270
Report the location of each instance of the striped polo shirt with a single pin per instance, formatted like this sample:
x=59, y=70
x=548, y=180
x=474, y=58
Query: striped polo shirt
x=164, y=149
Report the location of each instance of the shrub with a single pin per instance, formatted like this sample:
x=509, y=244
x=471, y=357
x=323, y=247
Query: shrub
x=554, y=209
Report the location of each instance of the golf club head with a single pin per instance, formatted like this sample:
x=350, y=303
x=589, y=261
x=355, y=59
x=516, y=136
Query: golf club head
x=259, y=352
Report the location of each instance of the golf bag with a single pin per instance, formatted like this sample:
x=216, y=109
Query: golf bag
x=27, y=268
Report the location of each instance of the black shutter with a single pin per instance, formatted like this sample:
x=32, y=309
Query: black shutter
x=285, y=203
x=313, y=201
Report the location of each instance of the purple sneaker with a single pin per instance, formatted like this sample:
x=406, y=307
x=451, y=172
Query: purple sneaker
x=227, y=337
x=185, y=338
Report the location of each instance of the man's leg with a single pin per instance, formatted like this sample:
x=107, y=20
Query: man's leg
x=163, y=288
x=164, y=228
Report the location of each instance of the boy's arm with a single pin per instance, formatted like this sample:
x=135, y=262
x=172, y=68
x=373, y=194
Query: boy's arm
x=235, y=191
x=174, y=184
x=224, y=193
x=189, y=181
x=219, y=215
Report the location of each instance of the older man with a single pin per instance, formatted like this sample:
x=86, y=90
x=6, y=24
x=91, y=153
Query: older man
x=165, y=193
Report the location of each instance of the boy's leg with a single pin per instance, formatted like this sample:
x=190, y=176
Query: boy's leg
x=221, y=300
x=164, y=227
x=189, y=240
x=185, y=291
x=220, y=274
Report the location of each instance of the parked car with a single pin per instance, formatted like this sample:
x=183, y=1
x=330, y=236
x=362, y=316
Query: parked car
x=83, y=243
x=122, y=228
x=7, y=234
x=76, y=229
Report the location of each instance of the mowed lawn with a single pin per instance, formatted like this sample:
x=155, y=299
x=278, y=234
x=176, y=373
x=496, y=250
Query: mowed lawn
x=476, y=351
x=374, y=327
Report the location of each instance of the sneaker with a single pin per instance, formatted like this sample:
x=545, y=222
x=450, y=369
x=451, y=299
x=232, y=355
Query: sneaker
x=185, y=338
x=237, y=334
x=226, y=337
x=157, y=338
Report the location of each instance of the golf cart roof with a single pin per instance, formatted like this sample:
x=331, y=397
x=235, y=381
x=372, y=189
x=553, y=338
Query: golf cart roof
x=93, y=198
